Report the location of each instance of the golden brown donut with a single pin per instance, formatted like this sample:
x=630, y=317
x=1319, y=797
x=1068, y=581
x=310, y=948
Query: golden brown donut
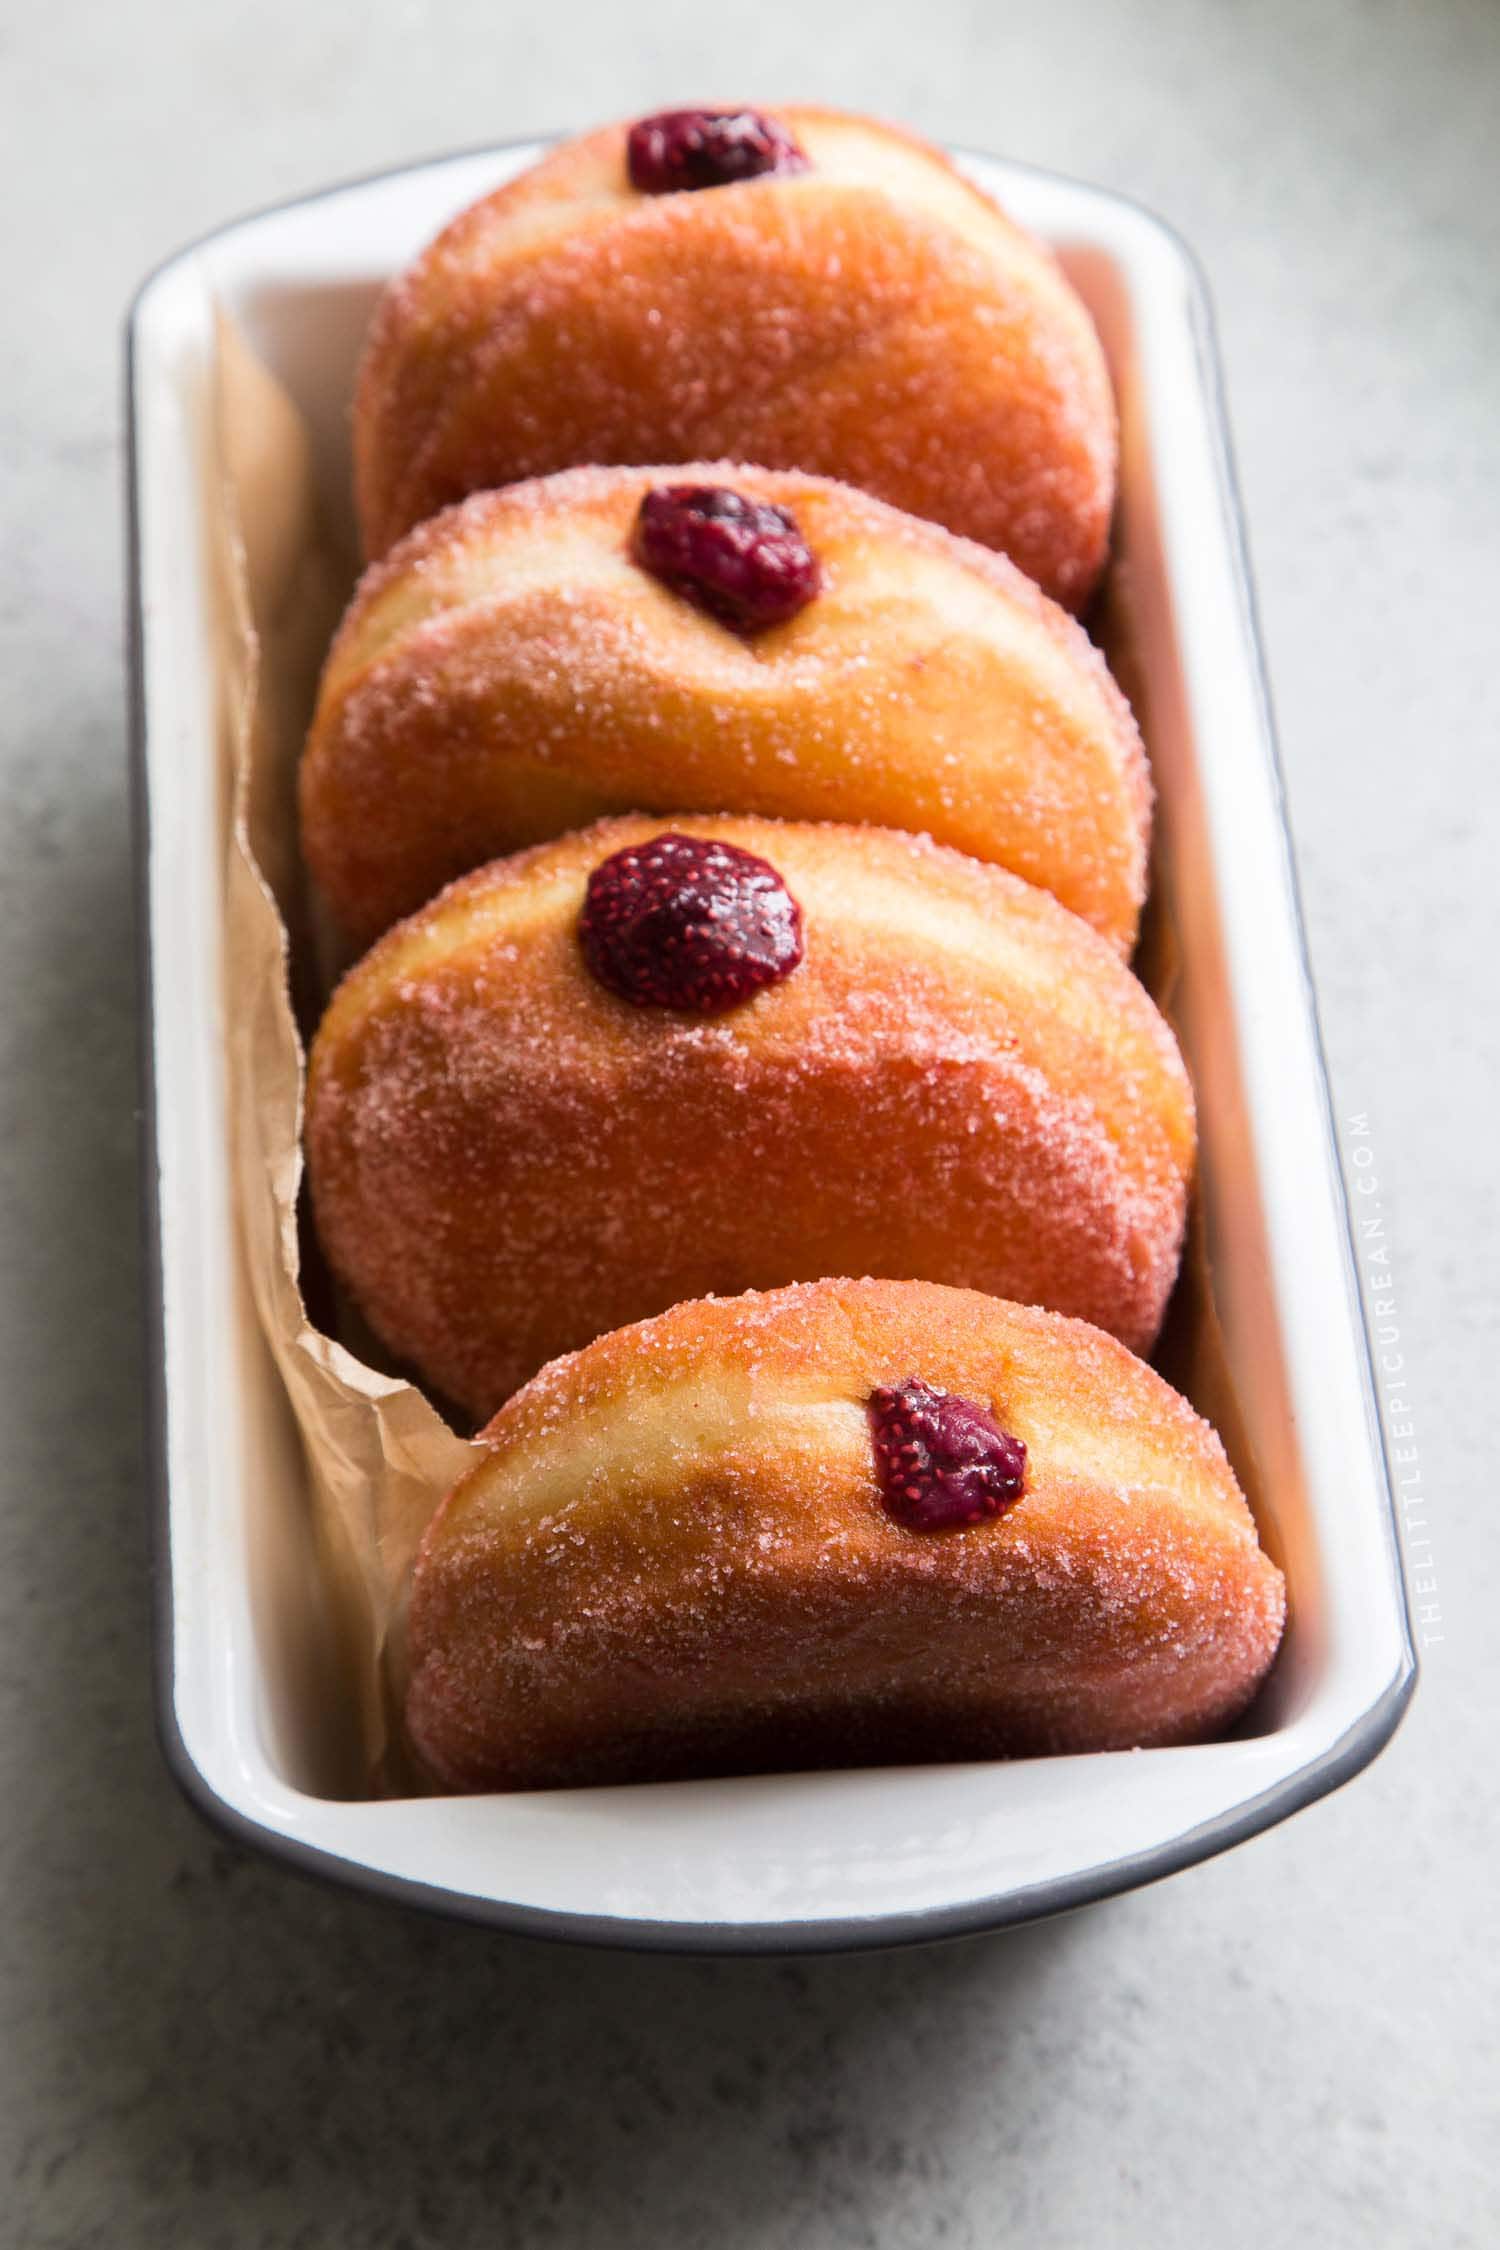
x=678, y=1555
x=510, y=672
x=958, y=1082
x=873, y=317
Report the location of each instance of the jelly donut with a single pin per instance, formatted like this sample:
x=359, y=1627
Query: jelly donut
x=852, y=306
x=660, y=1060
x=696, y=1547
x=714, y=638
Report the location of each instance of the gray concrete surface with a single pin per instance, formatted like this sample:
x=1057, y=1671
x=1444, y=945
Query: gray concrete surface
x=1296, y=2044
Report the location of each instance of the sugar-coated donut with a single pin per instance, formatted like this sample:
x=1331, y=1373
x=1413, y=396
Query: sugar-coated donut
x=512, y=671
x=683, y=1551
x=869, y=315
x=921, y=1066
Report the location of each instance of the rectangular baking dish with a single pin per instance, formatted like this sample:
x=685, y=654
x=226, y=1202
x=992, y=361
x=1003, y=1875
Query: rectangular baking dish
x=249, y=1697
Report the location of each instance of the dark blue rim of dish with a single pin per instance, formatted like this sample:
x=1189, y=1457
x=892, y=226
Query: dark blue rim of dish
x=1355, y=1748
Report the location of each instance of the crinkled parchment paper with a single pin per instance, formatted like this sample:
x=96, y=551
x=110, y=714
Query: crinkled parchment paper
x=379, y=1456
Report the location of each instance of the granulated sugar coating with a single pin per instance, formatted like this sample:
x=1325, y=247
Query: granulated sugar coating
x=510, y=672
x=872, y=317
x=959, y=1083
x=673, y=1559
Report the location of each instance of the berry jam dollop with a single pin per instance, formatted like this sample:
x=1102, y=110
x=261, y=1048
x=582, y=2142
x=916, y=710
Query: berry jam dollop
x=744, y=561
x=680, y=922
x=706, y=148
x=942, y=1461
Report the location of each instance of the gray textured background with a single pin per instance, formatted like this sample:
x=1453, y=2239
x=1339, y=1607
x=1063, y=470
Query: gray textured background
x=1295, y=2044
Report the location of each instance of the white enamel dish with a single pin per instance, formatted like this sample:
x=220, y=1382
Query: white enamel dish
x=248, y=1704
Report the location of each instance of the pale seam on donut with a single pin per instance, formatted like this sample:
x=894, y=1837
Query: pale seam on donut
x=888, y=910
x=571, y=557
x=844, y=154
x=653, y=1444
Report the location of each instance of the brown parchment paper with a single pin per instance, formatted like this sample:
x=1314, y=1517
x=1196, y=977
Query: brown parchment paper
x=379, y=1455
